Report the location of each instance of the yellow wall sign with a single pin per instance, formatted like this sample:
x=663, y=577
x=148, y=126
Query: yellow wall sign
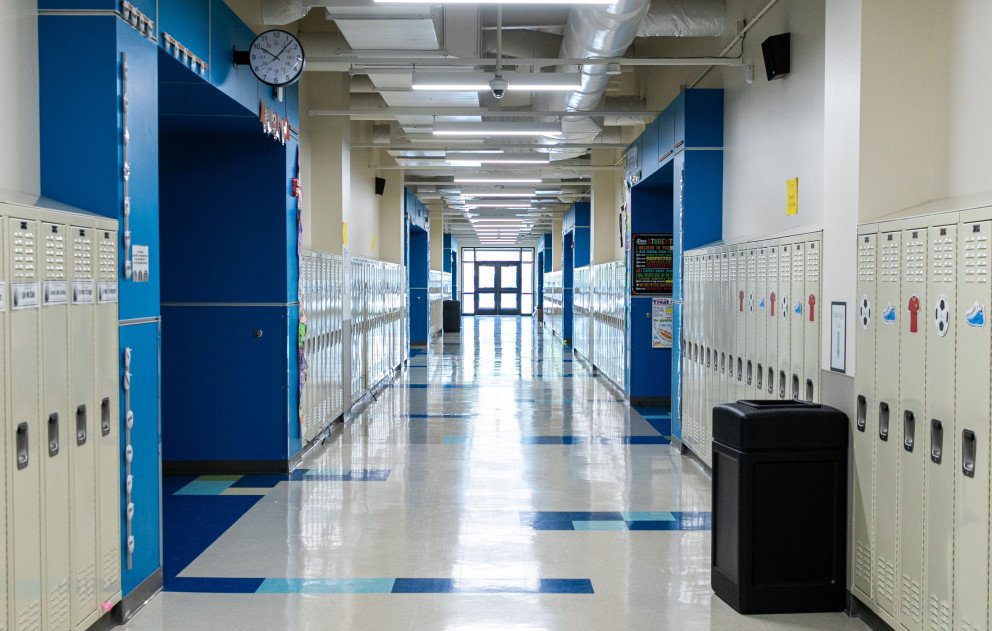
x=792, y=197
x=344, y=233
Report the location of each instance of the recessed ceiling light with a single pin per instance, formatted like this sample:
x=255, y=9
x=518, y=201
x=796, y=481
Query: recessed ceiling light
x=497, y=129
x=496, y=180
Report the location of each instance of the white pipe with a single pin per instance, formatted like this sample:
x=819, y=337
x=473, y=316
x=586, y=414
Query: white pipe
x=739, y=38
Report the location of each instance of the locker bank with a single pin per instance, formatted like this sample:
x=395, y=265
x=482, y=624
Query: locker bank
x=389, y=315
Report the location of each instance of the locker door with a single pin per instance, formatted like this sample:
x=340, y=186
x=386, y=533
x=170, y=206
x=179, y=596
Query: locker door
x=940, y=442
x=5, y=587
x=751, y=318
x=108, y=434
x=771, y=322
x=971, y=532
x=685, y=400
x=798, y=316
x=761, y=324
x=911, y=416
x=741, y=354
x=83, y=409
x=25, y=438
x=864, y=423
x=784, y=385
x=812, y=323
x=733, y=317
x=712, y=323
x=888, y=432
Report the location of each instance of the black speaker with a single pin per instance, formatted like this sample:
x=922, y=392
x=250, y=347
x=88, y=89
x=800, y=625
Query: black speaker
x=380, y=185
x=776, y=50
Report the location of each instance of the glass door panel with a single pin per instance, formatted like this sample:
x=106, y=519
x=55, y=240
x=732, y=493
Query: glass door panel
x=508, y=302
x=508, y=277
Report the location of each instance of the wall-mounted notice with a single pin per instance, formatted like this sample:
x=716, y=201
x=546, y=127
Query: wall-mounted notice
x=140, y=265
x=838, y=336
x=652, y=256
x=792, y=197
x=662, y=329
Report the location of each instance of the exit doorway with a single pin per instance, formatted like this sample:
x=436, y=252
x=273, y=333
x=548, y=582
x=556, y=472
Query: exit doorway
x=497, y=288
x=497, y=281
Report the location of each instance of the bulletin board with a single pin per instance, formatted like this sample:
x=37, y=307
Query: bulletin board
x=652, y=263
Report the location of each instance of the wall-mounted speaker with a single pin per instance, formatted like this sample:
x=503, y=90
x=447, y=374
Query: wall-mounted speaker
x=776, y=51
x=380, y=185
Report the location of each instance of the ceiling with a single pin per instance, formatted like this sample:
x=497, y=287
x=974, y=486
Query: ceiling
x=380, y=46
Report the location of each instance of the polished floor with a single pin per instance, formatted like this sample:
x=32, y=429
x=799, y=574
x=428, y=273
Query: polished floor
x=497, y=484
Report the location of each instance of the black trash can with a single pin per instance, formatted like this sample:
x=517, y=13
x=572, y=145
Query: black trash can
x=779, y=506
x=451, y=320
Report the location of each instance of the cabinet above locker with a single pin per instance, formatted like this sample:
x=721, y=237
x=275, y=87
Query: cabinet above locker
x=698, y=119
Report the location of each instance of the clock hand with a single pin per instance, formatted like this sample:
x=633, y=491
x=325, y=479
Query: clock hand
x=283, y=49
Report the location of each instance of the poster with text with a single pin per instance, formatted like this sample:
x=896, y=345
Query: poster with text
x=662, y=329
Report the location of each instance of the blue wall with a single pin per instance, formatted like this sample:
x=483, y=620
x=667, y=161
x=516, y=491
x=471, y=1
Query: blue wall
x=418, y=266
x=81, y=164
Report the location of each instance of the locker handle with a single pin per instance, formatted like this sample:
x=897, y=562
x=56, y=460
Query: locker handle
x=908, y=431
x=862, y=413
x=740, y=369
x=22, y=445
x=81, y=425
x=883, y=420
x=969, y=451
x=761, y=376
x=795, y=387
x=750, y=372
x=105, y=416
x=936, y=440
x=809, y=394
x=771, y=380
x=781, y=384
x=53, y=434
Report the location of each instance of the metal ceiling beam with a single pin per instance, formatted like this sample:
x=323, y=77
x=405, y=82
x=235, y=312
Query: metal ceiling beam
x=417, y=58
x=524, y=169
x=471, y=111
x=489, y=145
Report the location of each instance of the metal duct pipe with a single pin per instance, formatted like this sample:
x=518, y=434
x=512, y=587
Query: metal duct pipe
x=279, y=12
x=684, y=18
x=592, y=31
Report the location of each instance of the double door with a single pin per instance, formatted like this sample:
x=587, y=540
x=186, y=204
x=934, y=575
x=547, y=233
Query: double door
x=497, y=288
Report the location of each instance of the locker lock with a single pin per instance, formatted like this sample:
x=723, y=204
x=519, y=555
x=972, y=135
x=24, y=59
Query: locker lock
x=129, y=419
x=128, y=454
x=130, y=545
x=127, y=358
x=130, y=511
x=257, y=333
x=129, y=485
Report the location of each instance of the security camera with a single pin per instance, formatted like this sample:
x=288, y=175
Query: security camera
x=498, y=86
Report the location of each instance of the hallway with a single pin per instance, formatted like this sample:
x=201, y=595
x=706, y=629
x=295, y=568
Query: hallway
x=496, y=484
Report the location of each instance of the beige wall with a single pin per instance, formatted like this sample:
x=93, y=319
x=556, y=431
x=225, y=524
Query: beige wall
x=363, y=210
x=19, y=134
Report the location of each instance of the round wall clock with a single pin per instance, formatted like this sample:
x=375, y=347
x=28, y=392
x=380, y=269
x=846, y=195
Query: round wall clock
x=276, y=57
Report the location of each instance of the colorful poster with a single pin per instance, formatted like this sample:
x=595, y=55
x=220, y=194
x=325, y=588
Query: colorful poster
x=662, y=328
x=652, y=257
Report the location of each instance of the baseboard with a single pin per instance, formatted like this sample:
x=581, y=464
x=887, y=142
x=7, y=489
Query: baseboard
x=650, y=400
x=103, y=623
x=688, y=452
x=133, y=602
x=678, y=445
x=859, y=610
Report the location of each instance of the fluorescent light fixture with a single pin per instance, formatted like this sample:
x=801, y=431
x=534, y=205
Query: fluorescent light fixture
x=498, y=205
x=461, y=163
x=508, y=158
x=479, y=81
x=481, y=195
x=496, y=2
x=475, y=151
x=497, y=129
x=496, y=180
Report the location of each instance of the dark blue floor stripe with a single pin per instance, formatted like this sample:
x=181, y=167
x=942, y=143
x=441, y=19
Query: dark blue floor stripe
x=213, y=585
x=492, y=586
x=595, y=440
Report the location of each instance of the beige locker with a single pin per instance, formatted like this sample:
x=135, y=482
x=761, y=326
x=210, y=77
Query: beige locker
x=971, y=532
x=798, y=316
x=887, y=436
x=4, y=440
x=783, y=384
x=751, y=319
x=912, y=416
x=56, y=419
x=771, y=322
x=689, y=331
x=106, y=424
x=761, y=324
x=741, y=318
x=864, y=423
x=25, y=434
x=813, y=321
x=939, y=426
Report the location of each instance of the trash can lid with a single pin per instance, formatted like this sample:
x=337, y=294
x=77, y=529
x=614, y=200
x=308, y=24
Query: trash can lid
x=779, y=426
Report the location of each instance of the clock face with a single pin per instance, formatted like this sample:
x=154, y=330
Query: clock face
x=276, y=58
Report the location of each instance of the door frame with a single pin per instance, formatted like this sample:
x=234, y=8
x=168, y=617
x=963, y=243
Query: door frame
x=497, y=289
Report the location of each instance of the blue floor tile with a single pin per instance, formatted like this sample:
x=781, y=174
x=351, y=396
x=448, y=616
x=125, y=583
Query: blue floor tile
x=326, y=586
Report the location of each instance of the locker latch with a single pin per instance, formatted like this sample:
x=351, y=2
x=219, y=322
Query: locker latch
x=22, y=445
x=105, y=416
x=969, y=450
x=908, y=430
x=936, y=440
x=883, y=420
x=53, y=434
x=81, y=425
x=862, y=413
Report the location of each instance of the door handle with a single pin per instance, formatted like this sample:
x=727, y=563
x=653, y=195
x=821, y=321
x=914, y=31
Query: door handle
x=883, y=420
x=969, y=452
x=22, y=446
x=81, y=425
x=936, y=441
x=53, y=434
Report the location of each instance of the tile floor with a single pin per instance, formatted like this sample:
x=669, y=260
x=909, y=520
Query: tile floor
x=495, y=485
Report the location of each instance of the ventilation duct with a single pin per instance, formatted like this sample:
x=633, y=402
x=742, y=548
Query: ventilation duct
x=684, y=18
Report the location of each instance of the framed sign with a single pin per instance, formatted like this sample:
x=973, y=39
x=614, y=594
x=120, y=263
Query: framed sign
x=838, y=337
x=652, y=257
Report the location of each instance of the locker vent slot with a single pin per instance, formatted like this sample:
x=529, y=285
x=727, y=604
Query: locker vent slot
x=81, y=425
x=968, y=625
x=912, y=600
x=29, y=618
x=22, y=446
x=58, y=605
x=976, y=257
x=883, y=420
x=86, y=583
x=862, y=413
x=908, y=430
x=110, y=571
x=862, y=563
x=885, y=586
x=53, y=435
x=810, y=394
x=936, y=441
x=940, y=614
x=969, y=451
